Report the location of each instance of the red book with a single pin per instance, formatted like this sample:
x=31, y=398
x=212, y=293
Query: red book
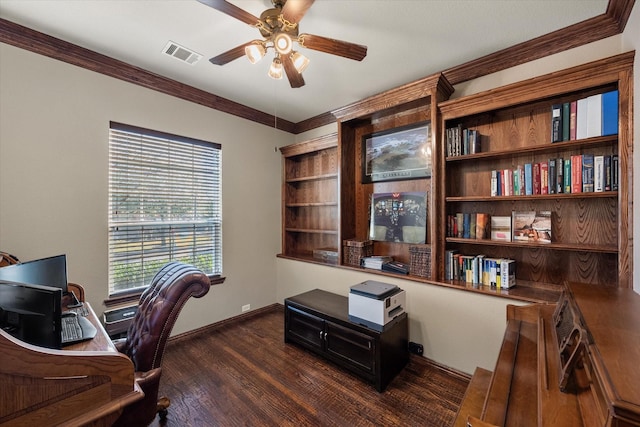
x=573, y=115
x=536, y=178
x=576, y=173
x=544, y=178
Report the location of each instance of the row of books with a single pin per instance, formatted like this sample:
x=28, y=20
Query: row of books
x=469, y=225
x=521, y=226
x=596, y=115
x=478, y=269
x=461, y=142
x=384, y=263
x=580, y=173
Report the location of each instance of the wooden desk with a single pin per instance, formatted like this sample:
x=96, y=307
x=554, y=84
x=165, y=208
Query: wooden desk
x=574, y=364
x=88, y=383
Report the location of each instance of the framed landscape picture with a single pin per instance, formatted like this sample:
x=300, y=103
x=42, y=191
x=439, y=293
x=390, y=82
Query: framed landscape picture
x=399, y=217
x=400, y=153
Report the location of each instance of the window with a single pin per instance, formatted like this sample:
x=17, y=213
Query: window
x=165, y=204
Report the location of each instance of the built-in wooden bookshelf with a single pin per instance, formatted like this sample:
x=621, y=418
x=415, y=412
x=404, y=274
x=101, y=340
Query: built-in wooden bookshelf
x=591, y=232
x=591, y=241
x=405, y=106
x=310, y=198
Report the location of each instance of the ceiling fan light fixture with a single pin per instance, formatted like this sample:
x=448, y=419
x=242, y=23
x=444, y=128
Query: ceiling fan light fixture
x=255, y=52
x=275, y=71
x=299, y=61
x=283, y=43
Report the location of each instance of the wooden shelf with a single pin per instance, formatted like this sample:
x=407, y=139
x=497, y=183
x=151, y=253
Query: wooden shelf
x=545, y=246
x=312, y=178
x=312, y=231
x=601, y=141
x=592, y=195
x=310, y=204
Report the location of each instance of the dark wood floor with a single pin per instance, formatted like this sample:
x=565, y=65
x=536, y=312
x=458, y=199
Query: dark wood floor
x=241, y=373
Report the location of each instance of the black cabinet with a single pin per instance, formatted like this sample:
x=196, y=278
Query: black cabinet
x=319, y=321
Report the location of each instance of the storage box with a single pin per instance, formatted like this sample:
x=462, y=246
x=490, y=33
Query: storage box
x=326, y=254
x=420, y=264
x=355, y=250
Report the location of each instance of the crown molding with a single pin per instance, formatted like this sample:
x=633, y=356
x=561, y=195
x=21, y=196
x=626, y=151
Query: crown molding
x=611, y=23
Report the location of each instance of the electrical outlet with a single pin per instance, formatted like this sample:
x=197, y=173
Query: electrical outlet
x=416, y=348
x=246, y=307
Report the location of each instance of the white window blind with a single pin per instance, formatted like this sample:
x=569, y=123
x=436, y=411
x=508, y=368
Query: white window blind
x=164, y=205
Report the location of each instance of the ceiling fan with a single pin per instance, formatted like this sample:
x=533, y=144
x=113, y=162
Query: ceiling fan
x=279, y=29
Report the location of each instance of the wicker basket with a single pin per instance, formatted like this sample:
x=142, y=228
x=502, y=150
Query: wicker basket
x=355, y=250
x=420, y=260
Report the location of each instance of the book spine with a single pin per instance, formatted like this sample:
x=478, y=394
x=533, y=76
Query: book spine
x=594, y=115
x=556, y=123
x=598, y=174
x=466, y=224
x=576, y=173
x=610, y=113
x=472, y=226
x=581, y=119
x=528, y=179
x=566, y=120
x=607, y=173
x=567, y=175
x=536, y=178
x=544, y=178
x=560, y=175
x=587, y=173
x=553, y=177
x=494, y=183
x=573, y=120
x=614, y=172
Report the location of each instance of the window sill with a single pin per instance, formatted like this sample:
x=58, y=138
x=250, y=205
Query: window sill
x=133, y=296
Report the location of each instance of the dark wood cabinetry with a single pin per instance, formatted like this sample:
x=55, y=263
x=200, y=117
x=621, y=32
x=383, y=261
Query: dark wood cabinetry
x=319, y=321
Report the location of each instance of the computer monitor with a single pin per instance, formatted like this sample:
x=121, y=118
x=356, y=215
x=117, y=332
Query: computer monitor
x=31, y=313
x=51, y=271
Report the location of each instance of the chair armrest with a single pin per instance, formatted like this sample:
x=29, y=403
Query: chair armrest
x=119, y=344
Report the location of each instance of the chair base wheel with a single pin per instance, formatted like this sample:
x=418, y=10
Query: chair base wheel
x=162, y=407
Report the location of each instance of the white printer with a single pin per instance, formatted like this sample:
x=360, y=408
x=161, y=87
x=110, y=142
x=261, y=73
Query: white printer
x=374, y=304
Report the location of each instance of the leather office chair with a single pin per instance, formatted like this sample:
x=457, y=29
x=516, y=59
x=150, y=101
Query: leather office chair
x=147, y=336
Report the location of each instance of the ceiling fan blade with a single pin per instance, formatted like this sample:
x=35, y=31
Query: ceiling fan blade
x=295, y=78
x=353, y=51
x=232, y=10
x=230, y=55
x=294, y=10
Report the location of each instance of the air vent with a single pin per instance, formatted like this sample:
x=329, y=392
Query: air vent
x=181, y=53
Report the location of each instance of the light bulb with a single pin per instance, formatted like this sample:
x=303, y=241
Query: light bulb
x=299, y=61
x=275, y=71
x=282, y=43
x=255, y=51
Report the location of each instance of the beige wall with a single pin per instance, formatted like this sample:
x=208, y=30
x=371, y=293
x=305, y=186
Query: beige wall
x=458, y=328
x=54, y=122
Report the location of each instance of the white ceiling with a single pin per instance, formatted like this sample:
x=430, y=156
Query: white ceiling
x=406, y=39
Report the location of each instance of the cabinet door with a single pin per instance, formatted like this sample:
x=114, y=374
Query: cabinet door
x=304, y=328
x=357, y=349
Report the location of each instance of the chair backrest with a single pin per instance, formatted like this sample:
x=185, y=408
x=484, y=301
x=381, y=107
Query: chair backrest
x=158, y=310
